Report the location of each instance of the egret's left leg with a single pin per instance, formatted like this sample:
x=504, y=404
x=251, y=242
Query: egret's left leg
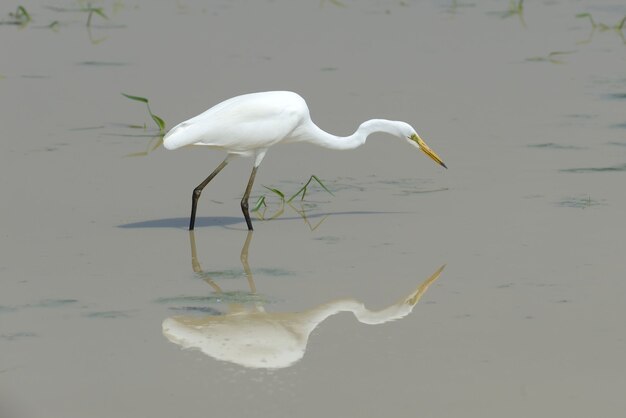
x=246, y=196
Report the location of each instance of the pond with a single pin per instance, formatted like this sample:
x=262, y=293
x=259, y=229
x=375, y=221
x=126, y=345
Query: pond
x=493, y=288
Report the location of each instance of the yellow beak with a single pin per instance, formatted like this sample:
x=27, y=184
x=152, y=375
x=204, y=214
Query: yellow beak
x=426, y=149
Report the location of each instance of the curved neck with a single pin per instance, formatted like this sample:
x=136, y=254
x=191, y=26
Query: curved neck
x=362, y=314
x=315, y=135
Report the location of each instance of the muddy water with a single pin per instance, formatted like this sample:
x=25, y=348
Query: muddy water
x=527, y=111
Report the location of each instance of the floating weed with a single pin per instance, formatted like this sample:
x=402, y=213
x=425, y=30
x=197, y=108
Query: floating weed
x=580, y=202
x=160, y=123
x=615, y=168
x=552, y=57
x=619, y=125
x=619, y=144
x=91, y=11
x=20, y=17
x=54, y=26
x=258, y=204
x=304, y=188
x=276, y=192
x=262, y=203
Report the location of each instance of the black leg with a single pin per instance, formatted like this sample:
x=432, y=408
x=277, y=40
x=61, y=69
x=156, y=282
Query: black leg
x=198, y=190
x=244, y=200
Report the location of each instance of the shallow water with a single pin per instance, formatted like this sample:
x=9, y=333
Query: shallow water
x=526, y=318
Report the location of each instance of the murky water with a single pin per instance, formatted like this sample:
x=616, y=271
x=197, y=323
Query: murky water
x=110, y=308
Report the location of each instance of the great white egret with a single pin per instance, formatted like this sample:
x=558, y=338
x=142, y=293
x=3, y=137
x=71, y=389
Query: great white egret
x=248, y=125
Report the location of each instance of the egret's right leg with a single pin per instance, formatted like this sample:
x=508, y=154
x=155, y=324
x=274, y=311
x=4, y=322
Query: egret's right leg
x=246, y=196
x=198, y=191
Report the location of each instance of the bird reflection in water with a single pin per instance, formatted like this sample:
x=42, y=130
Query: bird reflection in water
x=253, y=338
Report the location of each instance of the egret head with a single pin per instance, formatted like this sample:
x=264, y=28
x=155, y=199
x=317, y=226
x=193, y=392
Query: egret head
x=414, y=139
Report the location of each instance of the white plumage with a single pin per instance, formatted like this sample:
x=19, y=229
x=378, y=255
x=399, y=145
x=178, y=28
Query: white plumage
x=248, y=125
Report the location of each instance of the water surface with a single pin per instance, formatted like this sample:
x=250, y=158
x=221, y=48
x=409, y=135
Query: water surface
x=527, y=317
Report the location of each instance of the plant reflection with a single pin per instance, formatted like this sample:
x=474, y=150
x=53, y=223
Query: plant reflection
x=261, y=214
x=602, y=27
x=251, y=337
x=154, y=143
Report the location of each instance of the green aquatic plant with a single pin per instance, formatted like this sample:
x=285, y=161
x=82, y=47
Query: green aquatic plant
x=261, y=202
x=20, y=17
x=281, y=195
x=160, y=123
x=91, y=11
x=304, y=188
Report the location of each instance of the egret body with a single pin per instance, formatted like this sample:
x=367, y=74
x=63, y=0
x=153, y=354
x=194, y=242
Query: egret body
x=250, y=124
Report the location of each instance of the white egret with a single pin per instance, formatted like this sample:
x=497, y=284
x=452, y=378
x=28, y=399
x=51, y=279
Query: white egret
x=248, y=125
